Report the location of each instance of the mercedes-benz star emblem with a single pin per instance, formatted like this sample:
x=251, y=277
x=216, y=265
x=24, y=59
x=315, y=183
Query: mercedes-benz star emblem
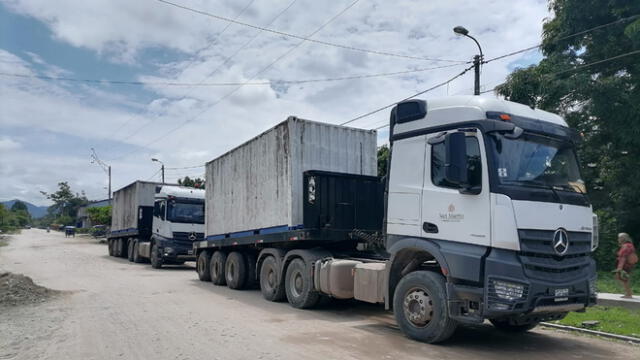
x=560, y=242
x=192, y=236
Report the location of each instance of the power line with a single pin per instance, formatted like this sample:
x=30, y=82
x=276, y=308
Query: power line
x=625, y=19
x=407, y=98
x=193, y=61
x=250, y=79
x=221, y=84
x=579, y=67
x=305, y=38
x=226, y=60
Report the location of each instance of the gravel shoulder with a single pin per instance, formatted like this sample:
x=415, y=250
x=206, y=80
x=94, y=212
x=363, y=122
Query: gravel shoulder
x=115, y=309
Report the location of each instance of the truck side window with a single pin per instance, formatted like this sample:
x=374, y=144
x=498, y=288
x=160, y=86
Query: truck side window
x=474, y=164
x=162, y=209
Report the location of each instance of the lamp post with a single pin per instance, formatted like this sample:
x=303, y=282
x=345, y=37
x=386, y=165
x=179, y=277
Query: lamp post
x=477, y=59
x=161, y=168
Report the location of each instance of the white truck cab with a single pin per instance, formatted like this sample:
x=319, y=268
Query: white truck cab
x=492, y=190
x=178, y=221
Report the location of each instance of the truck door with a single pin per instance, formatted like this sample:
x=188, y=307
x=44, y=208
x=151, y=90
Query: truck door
x=448, y=214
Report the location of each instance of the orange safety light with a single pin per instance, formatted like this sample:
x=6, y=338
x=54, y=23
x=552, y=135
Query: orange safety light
x=505, y=117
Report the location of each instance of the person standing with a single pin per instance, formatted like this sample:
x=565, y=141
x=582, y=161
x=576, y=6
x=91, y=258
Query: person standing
x=626, y=261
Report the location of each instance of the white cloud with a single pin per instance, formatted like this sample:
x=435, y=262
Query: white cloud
x=124, y=31
x=6, y=144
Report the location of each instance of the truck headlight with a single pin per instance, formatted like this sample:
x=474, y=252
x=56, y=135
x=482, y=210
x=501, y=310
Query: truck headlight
x=168, y=250
x=595, y=238
x=508, y=290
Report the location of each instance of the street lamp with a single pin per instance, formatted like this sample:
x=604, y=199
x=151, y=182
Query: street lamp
x=161, y=168
x=477, y=59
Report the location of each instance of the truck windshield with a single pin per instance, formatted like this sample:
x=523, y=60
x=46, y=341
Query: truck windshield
x=182, y=212
x=536, y=161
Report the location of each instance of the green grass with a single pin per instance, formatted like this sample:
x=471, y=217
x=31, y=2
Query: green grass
x=614, y=320
x=608, y=284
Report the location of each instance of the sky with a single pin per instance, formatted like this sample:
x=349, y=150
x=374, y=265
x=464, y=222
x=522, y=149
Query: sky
x=192, y=106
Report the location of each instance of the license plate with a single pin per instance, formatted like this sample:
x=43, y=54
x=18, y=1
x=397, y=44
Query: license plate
x=189, y=252
x=561, y=295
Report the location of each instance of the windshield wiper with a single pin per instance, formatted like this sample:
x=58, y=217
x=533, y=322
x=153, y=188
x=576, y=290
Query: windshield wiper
x=536, y=184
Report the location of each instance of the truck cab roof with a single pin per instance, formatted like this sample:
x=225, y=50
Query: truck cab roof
x=445, y=111
x=164, y=191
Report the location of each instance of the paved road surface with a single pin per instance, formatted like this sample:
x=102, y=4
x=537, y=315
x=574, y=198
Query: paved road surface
x=119, y=310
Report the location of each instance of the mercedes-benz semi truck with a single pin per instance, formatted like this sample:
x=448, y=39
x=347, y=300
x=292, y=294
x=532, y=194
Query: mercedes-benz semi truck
x=156, y=222
x=483, y=215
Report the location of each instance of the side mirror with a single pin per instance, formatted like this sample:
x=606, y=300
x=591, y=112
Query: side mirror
x=455, y=167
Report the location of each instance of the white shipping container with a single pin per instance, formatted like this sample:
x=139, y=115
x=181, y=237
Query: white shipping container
x=126, y=202
x=259, y=184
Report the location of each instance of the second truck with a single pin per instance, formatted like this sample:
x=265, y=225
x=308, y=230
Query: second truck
x=483, y=215
x=156, y=222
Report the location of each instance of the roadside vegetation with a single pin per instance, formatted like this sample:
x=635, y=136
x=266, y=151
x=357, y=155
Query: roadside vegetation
x=14, y=218
x=608, y=284
x=614, y=320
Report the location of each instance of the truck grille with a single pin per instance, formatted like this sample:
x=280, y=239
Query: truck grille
x=542, y=262
x=183, y=237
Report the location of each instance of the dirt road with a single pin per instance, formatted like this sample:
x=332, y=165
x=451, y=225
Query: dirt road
x=118, y=310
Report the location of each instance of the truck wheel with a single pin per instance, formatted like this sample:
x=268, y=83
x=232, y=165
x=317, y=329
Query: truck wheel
x=202, y=266
x=217, y=266
x=110, y=247
x=123, y=248
x=236, y=271
x=420, y=307
x=156, y=259
x=130, y=250
x=504, y=325
x=250, y=260
x=136, y=253
x=299, y=285
x=271, y=283
x=118, y=248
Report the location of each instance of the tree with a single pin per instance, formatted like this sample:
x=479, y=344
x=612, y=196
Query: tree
x=65, y=204
x=383, y=160
x=601, y=101
x=100, y=215
x=197, y=183
x=19, y=205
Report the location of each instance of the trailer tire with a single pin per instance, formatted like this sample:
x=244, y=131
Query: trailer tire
x=123, y=248
x=251, y=281
x=136, y=253
x=156, y=258
x=217, y=266
x=271, y=284
x=110, y=247
x=236, y=271
x=202, y=266
x=299, y=285
x=118, y=247
x=504, y=325
x=420, y=307
x=130, y=249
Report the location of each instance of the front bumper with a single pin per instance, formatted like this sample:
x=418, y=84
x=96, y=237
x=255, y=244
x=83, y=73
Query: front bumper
x=539, y=295
x=176, y=251
x=508, y=291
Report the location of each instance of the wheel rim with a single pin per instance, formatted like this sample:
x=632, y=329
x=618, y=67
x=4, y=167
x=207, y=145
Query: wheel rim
x=216, y=269
x=269, y=278
x=418, y=307
x=231, y=271
x=297, y=283
x=200, y=266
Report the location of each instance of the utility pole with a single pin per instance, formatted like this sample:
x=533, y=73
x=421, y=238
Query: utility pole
x=107, y=168
x=477, y=59
x=161, y=167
